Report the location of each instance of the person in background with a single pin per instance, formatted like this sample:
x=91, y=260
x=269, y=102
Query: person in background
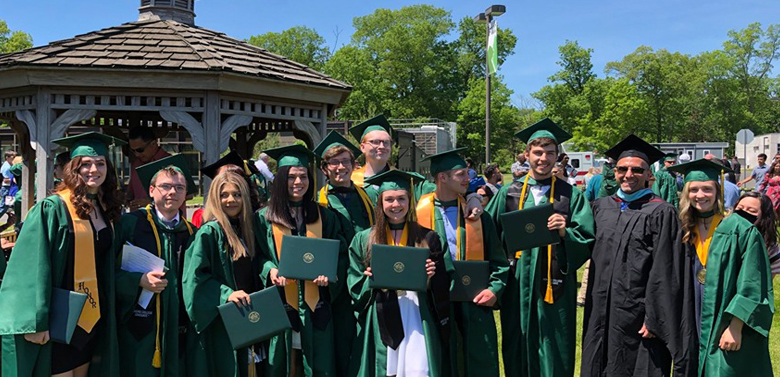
x=760, y=206
x=569, y=171
x=758, y=172
x=771, y=185
x=144, y=149
x=472, y=172
x=737, y=167
x=59, y=164
x=492, y=178
x=730, y=176
x=486, y=194
x=262, y=166
x=520, y=167
x=665, y=185
x=7, y=179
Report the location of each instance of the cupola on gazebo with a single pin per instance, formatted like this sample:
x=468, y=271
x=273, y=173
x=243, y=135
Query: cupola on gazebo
x=159, y=70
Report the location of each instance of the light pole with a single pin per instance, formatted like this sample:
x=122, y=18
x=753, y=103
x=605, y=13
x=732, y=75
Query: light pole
x=486, y=18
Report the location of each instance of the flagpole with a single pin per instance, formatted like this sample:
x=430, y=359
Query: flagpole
x=487, y=17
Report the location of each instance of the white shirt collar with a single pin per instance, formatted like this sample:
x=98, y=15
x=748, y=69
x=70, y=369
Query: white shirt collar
x=162, y=218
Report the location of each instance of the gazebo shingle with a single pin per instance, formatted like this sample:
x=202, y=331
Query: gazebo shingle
x=167, y=45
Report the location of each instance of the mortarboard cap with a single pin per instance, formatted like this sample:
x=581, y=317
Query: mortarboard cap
x=700, y=170
x=446, y=161
x=147, y=172
x=394, y=180
x=291, y=155
x=669, y=156
x=377, y=123
x=91, y=144
x=634, y=146
x=543, y=128
x=232, y=158
x=334, y=139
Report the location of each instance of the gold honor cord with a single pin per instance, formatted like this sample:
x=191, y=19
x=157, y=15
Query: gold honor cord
x=311, y=293
x=157, y=358
x=323, y=201
x=703, y=246
x=426, y=216
x=548, y=296
x=84, y=270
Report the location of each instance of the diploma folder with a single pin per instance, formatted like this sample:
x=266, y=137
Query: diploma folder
x=527, y=228
x=262, y=319
x=65, y=310
x=398, y=267
x=306, y=258
x=471, y=278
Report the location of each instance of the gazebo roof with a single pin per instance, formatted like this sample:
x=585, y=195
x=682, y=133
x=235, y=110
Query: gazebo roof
x=167, y=45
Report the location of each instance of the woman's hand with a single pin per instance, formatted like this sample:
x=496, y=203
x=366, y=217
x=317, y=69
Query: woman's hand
x=240, y=298
x=321, y=281
x=557, y=222
x=277, y=280
x=367, y=272
x=731, y=340
x=430, y=268
x=153, y=281
x=38, y=337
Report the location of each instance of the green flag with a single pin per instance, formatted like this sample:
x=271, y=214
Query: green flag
x=492, y=49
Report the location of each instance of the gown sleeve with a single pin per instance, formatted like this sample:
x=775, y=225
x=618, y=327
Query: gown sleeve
x=357, y=282
x=263, y=241
x=126, y=282
x=202, y=291
x=753, y=302
x=579, y=237
x=332, y=230
x=28, y=279
x=499, y=264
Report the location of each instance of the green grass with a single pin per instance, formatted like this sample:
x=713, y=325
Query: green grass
x=774, y=335
x=198, y=200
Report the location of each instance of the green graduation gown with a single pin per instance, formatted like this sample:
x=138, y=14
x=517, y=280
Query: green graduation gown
x=539, y=338
x=738, y=284
x=474, y=338
x=319, y=358
x=137, y=327
x=207, y=282
x=37, y=264
x=665, y=186
x=369, y=353
x=353, y=218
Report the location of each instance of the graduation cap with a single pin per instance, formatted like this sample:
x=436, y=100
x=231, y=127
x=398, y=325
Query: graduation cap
x=377, y=123
x=291, y=155
x=334, y=139
x=446, y=161
x=232, y=158
x=669, y=156
x=543, y=128
x=395, y=180
x=147, y=172
x=16, y=169
x=701, y=170
x=91, y=144
x=634, y=146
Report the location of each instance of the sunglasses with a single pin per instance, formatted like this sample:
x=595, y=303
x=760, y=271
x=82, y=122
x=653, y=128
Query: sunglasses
x=634, y=169
x=142, y=149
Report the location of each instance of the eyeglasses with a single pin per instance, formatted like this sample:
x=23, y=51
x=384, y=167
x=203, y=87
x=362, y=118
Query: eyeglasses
x=142, y=149
x=335, y=163
x=377, y=143
x=634, y=169
x=167, y=188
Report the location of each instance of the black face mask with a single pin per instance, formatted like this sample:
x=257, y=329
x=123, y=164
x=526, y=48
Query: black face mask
x=751, y=218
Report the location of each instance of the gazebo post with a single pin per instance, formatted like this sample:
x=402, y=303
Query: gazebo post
x=41, y=142
x=211, y=127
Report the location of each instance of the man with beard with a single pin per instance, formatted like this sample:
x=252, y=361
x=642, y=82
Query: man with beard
x=538, y=308
x=639, y=308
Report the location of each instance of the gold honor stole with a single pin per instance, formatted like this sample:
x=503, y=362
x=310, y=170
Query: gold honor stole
x=475, y=249
x=323, y=201
x=404, y=236
x=548, y=295
x=358, y=176
x=703, y=245
x=311, y=293
x=157, y=358
x=84, y=270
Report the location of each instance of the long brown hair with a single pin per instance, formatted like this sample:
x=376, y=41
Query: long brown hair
x=213, y=211
x=110, y=197
x=279, y=206
x=688, y=217
x=378, y=234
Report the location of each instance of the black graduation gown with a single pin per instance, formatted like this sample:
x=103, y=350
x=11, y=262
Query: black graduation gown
x=638, y=275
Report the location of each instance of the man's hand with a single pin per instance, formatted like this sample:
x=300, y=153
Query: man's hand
x=731, y=340
x=474, y=206
x=557, y=222
x=240, y=298
x=486, y=298
x=153, y=281
x=37, y=338
x=321, y=281
x=277, y=280
x=645, y=332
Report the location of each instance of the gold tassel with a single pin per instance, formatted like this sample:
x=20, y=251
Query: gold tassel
x=157, y=358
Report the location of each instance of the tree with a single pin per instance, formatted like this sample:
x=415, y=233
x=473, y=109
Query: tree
x=753, y=51
x=577, y=69
x=12, y=41
x=300, y=44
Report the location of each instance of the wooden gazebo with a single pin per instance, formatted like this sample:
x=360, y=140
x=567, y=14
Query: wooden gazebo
x=159, y=70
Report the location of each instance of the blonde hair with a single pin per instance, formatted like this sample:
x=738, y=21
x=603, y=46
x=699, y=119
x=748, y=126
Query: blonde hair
x=687, y=215
x=213, y=211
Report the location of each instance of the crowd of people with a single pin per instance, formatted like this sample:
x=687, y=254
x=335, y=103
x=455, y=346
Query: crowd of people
x=679, y=278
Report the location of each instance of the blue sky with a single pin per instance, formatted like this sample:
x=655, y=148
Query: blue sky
x=612, y=28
